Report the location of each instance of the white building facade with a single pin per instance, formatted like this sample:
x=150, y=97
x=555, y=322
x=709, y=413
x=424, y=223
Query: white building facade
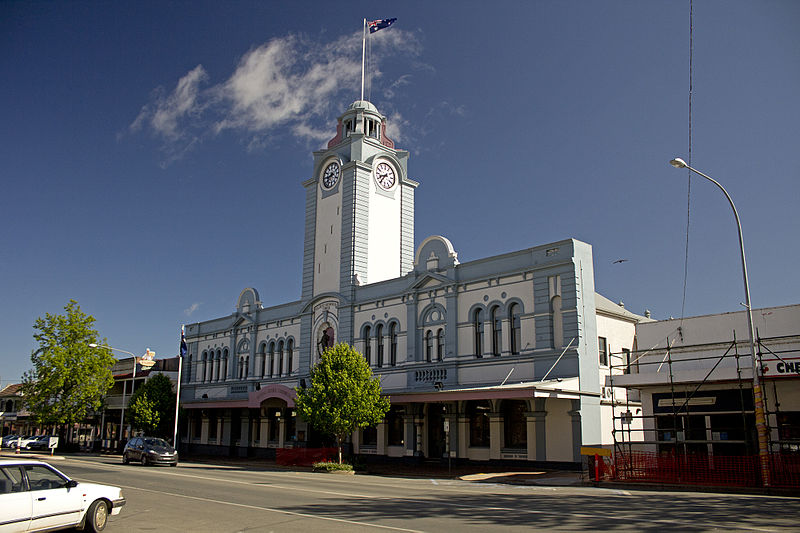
x=493, y=359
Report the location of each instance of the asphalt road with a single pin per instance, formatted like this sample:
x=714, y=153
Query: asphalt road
x=209, y=498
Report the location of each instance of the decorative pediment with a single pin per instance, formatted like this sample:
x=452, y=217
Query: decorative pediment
x=429, y=280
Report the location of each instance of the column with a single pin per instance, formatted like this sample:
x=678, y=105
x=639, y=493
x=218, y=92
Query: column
x=244, y=432
x=495, y=435
x=282, y=429
x=381, y=448
x=463, y=435
x=575, y=413
x=537, y=436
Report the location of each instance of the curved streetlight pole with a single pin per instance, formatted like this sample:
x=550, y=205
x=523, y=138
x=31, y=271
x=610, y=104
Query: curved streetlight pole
x=758, y=396
x=133, y=383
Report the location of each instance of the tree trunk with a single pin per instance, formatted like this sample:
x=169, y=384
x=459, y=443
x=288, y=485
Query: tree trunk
x=339, y=445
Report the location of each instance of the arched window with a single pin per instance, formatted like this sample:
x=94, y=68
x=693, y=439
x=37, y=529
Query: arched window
x=513, y=320
x=280, y=359
x=429, y=346
x=224, y=365
x=241, y=367
x=477, y=323
x=497, y=328
x=368, y=345
x=379, y=338
x=271, y=363
x=260, y=360
x=289, y=356
x=515, y=426
x=478, y=414
x=440, y=344
x=393, y=344
x=217, y=363
x=203, y=367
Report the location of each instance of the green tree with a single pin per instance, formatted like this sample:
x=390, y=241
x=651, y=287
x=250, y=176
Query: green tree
x=69, y=379
x=343, y=395
x=152, y=407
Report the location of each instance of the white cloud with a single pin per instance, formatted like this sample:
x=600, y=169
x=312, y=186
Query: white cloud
x=289, y=84
x=192, y=308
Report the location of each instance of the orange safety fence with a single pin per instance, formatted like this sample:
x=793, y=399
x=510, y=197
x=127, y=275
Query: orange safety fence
x=304, y=456
x=715, y=470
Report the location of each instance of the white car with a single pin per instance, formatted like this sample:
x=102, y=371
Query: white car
x=34, y=496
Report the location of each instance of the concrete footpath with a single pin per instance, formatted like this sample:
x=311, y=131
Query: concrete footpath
x=473, y=473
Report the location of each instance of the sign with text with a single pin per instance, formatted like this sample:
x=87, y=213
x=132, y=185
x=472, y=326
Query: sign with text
x=783, y=367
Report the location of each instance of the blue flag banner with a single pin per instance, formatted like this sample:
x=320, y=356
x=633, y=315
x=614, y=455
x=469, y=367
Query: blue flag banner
x=376, y=25
x=184, y=349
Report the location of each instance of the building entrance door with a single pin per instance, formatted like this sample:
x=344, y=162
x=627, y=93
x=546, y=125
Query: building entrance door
x=436, y=435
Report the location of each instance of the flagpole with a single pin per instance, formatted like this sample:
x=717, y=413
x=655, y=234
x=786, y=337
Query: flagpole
x=178, y=392
x=363, y=56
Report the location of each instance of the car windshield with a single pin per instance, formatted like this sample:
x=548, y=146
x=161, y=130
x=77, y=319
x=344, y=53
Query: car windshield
x=156, y=442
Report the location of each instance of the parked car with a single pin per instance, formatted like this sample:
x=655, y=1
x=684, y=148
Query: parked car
x=8, y=440
x=42, y=442
x=149, y=451
x=22, y=442
x=34, y=496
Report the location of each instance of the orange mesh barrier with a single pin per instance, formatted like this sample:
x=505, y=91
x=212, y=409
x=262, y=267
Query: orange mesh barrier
x=304, y=456
x=716, y=470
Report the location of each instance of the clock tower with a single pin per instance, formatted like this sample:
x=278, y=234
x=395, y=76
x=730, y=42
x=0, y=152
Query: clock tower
x=359, y=208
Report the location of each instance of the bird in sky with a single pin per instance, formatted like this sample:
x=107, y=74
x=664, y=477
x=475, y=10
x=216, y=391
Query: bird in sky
x=618, y=261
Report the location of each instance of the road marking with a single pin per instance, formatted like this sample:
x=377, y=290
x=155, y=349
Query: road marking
x=434, y=482
x=271, y=509
x=424, y=501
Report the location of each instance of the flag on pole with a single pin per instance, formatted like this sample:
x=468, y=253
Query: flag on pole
x=376, y=25
x=184, y=349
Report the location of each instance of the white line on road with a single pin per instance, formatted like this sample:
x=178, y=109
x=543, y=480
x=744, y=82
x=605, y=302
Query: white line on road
x=269, y=509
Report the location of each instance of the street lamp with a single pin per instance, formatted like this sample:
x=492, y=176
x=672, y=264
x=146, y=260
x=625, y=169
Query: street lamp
x=133, y=383
x=758, y=397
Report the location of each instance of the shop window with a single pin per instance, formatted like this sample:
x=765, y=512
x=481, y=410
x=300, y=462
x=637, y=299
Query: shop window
x=515, y=426
x=394, y=426
x=369, y=436
x=478, y=414
x=212, y=426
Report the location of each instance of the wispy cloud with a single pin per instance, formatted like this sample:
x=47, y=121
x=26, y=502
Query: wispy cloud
x=192, y=308
x=290, y=81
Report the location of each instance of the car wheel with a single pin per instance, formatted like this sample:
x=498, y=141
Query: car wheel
x=125, y=459
x=144, y=460
x=97, y=517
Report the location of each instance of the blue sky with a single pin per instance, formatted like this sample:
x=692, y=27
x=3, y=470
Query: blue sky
x=152, y=152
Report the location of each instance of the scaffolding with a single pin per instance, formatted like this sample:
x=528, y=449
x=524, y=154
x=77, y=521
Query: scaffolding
x=686, y=414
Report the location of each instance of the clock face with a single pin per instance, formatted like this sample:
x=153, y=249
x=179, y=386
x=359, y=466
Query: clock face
x=331, y=175
x=384, y=175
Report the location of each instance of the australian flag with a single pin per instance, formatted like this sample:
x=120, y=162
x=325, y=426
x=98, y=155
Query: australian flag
x=184, y=349
x=376, y=25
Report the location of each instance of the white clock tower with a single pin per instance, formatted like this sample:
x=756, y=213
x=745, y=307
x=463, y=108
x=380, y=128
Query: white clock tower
x=359, y=208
